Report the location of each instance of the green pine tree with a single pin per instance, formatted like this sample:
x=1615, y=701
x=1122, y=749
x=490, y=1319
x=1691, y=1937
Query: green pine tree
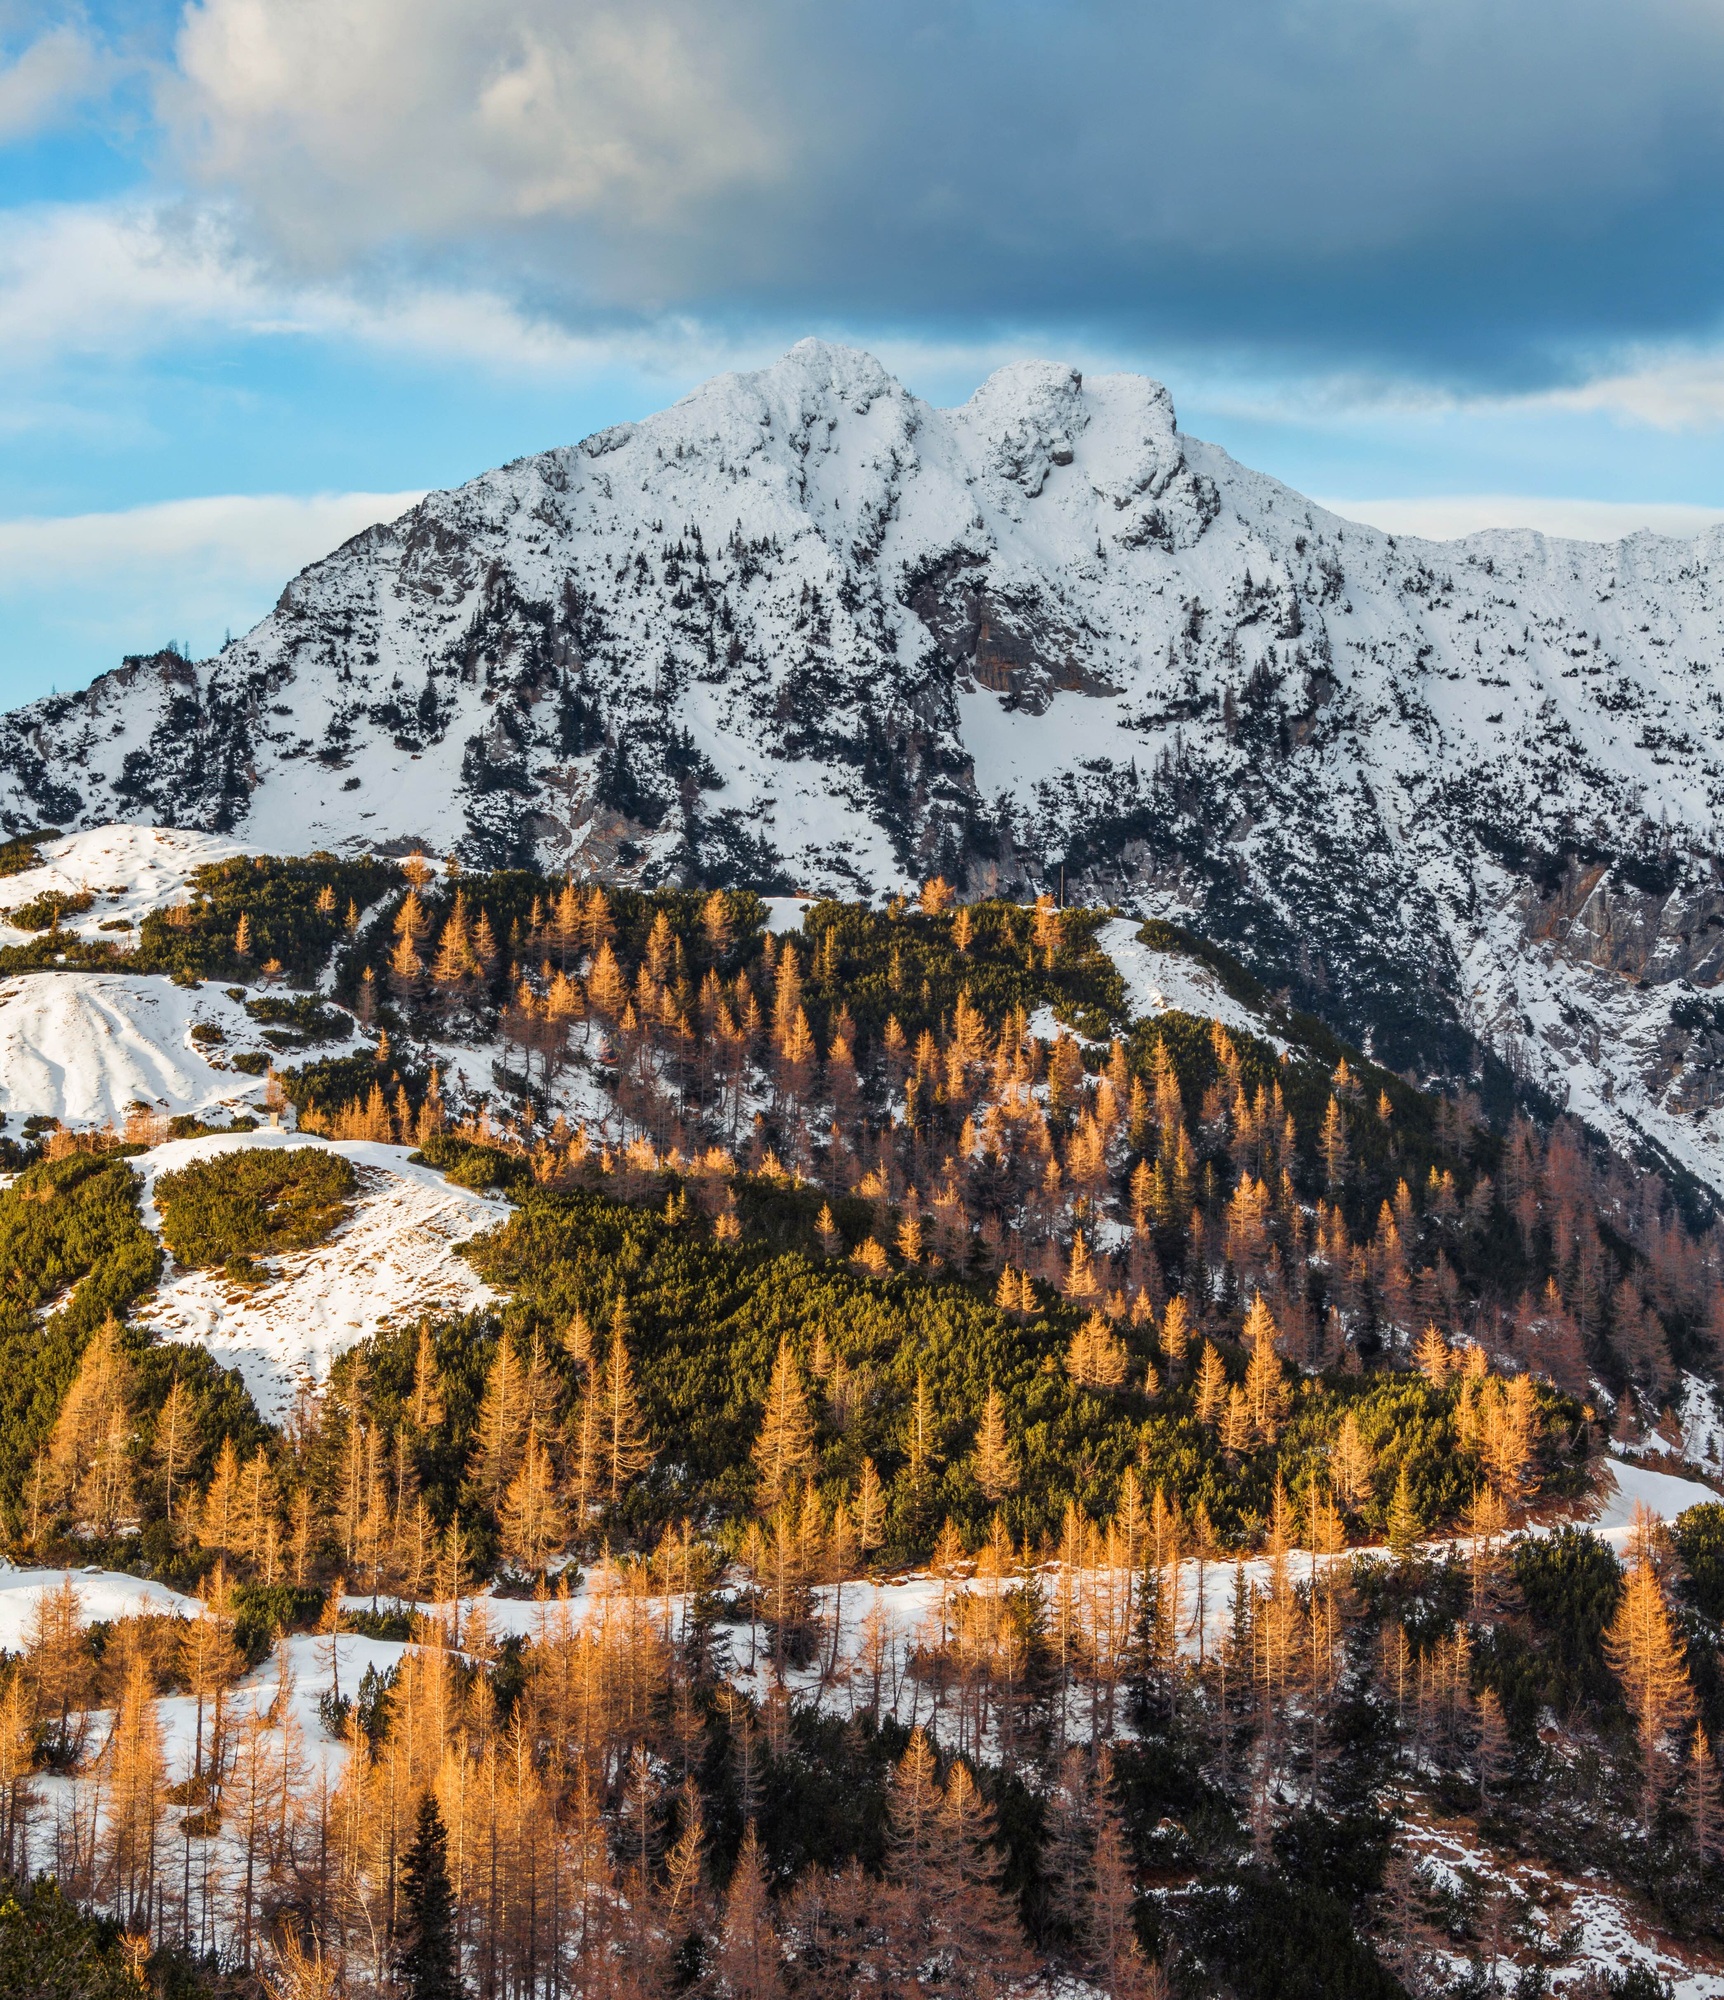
x=1405, y=1527
x=425, y=1962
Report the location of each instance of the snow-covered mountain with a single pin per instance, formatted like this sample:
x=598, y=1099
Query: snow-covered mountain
x=804, y=630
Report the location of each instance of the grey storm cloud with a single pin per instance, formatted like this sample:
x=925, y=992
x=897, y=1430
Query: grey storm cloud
x=1446, y=185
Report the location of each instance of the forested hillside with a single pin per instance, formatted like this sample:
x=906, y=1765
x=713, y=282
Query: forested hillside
x=973, y=1476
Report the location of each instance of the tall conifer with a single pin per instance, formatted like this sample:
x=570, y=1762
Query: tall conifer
x=425, y=1954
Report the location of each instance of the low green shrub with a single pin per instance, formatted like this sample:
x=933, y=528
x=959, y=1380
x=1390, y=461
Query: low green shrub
x=43, y=912
x=1699, y=1537
x=245, y=1203
x=261, y=1610
x=52, y=1949
x=288, y=916
x=299, y=1021
x=19, y=855
x=1570, y=1583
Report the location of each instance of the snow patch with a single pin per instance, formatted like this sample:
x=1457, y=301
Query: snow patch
x=102, y=1594
x=784, y=913
x=1163, y=982
x=1662, y=1492
x=83, y=1047
x=394, y=1259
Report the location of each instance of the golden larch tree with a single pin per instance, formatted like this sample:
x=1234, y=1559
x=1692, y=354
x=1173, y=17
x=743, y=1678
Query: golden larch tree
x=501, y=1427
x=1097, y=1357
x=533, y=1523
x=784, y=1450
x=628, y=1450
x=1352, y=1464
x=1647, y=1658
x=996, y=1464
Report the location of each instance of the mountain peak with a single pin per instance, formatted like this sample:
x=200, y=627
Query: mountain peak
x=805, y=632
x=809, y=376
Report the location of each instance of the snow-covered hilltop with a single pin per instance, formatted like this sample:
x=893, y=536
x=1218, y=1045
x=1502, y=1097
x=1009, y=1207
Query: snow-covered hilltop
x=803, y=630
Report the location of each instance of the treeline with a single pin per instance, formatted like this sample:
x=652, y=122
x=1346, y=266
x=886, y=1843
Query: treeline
x=1181, y=1252
x=884, y=1055
x=785, y=1401
x=885, y=1058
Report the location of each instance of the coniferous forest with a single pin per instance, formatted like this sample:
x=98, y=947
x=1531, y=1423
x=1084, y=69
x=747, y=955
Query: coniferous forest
x=959, y=1487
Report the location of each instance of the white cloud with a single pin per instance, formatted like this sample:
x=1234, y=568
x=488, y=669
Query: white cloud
x=246, y=537
x=126, y=278
x=1675, y=389
x=80, y=591
x=1443, y=517
x=54, y=72
x=348, y=126
x=111, y=278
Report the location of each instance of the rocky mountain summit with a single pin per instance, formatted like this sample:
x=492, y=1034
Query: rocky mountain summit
x=805, y=632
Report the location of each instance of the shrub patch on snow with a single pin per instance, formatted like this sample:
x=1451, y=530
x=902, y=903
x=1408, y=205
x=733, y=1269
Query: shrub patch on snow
x=19, y=856
x=244, y=1204
x=299, y=1021
x=43, y=912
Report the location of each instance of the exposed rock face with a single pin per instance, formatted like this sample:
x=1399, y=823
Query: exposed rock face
x=804, y=631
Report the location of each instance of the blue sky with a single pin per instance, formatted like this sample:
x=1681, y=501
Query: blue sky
x=268, y=268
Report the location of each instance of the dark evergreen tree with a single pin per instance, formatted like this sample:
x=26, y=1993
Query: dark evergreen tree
x=425, y=1961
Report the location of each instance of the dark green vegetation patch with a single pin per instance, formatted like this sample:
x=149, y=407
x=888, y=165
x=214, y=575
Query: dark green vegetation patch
x=44, y=912
x=704, y=1321
x=253, y=1202
x=69, y=1237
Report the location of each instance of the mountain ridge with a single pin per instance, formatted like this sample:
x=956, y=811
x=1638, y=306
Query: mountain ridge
x=804, y=631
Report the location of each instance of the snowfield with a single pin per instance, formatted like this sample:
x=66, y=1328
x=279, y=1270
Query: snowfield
x=130, y=870
x=1702, y=1407
x=84, y=1047
x=1602, y=1043
x=784, y=914
x=394, y=1260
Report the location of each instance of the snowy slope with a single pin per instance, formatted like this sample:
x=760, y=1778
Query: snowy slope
x=804, y=631
x=102, y=1593
x=85, y=1047
x=1160, y=982
x=394, y=1259
x=129, y=870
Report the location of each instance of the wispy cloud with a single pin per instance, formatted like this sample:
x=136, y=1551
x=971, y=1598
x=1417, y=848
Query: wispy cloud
x=79, y=591
x=145, y=275
x=61, y=68
x=1677, y=389
x=250, y=537
x=1444, y=517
